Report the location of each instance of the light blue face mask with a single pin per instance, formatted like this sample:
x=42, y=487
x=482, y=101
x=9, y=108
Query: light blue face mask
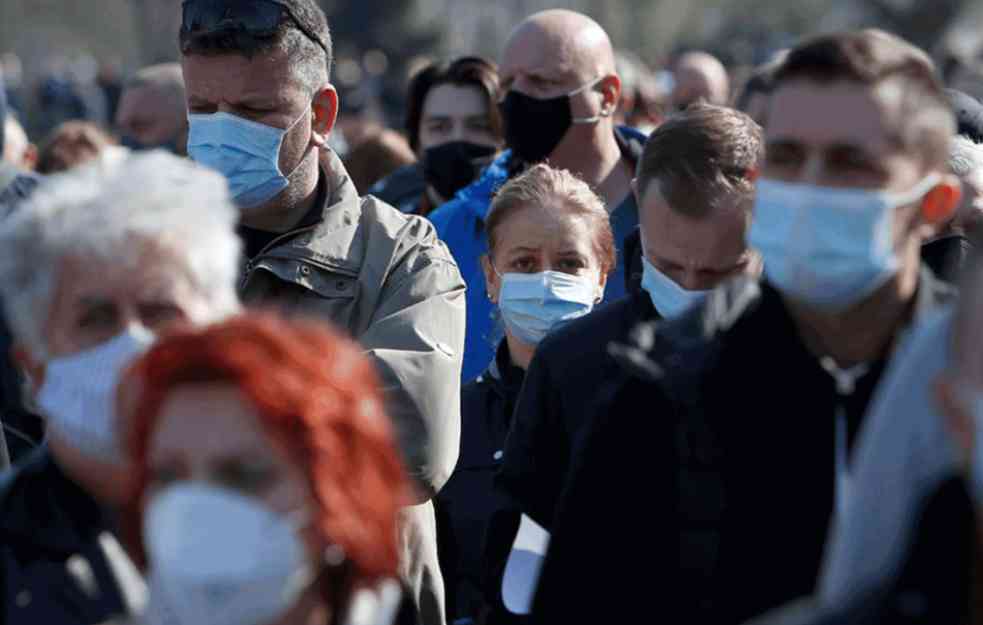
x=826, y=247
x=533, y=304
x=247, y=153
x=670, y=299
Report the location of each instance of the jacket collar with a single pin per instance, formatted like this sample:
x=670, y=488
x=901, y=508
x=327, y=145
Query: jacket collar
x=694, y=332
x=478, y=195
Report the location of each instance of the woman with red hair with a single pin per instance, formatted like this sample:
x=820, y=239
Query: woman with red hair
x=267, y=480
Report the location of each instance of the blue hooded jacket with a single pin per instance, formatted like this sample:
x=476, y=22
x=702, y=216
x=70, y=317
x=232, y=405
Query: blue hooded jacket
x=461, y=225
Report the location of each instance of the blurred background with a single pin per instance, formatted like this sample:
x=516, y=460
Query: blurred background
x=67, y=59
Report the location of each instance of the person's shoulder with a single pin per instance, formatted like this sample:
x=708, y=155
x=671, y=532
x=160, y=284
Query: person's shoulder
x=692, y=337
x=25, y=478
x=409, y=241
x=606, y=323
x=404, y=185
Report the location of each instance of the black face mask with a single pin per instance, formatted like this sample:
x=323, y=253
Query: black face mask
x=534, y=127
x=450, y=167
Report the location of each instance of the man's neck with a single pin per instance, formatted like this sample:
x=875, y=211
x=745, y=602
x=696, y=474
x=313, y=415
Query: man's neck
x=865, y=332
x=600, y=164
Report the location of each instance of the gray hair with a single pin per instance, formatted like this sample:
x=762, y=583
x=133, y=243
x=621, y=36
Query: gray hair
x=103, y=209
x=965, y=156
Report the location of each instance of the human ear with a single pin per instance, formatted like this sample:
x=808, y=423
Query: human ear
x=325, y=114
x=610, y=87
x=493, y=283
x=939, y=205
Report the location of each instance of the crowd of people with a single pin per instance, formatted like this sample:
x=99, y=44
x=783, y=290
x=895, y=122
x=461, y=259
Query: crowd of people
x=566, y=348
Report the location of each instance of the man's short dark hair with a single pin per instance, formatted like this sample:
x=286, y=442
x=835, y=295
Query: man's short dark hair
x=311, y=58
x=468, y=71
x=871, y=57
x=700, y=156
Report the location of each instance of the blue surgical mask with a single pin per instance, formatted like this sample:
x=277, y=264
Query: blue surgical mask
x=826, y=247
x=533, y=304
x=247, y=153
x=670, y=299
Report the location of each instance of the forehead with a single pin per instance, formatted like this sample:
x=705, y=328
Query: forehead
x=455, y=101
x=229, y=77
x=836, y=113
x=153, y=272
x=715, y=239
x=205, y=421
x=544, y=227
x=535, y=50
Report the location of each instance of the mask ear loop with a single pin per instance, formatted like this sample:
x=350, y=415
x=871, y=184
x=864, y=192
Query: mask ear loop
x=595, y=118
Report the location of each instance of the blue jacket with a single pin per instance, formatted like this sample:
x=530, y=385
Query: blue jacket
x=461, y=225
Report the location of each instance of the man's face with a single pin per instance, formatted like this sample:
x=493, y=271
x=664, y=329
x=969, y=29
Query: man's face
x=263, y=89
x=697, y=254
x=149, y=116
x=537, y=65
x=95, y=300
x=844, y=135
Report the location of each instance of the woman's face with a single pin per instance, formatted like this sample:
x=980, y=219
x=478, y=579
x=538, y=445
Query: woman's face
x=535, y=239
x=212, y=434
x=456, y=113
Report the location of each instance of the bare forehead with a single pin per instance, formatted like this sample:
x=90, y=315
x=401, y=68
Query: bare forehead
x=836, y=113
x=554, y=48
x=234, y=75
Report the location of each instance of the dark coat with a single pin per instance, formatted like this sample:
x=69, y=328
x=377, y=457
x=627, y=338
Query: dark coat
x=558, y=400
x=404, y=188
x=470, y=504
x=722, y=431
x=934, y=585
x=60, y=565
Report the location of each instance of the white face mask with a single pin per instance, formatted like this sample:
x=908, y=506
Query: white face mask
x=220, y=558
x=78, y=395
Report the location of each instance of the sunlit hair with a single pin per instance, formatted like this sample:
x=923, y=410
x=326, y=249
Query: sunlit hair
x=549, y=189
x=112, y=210
x=701, y=157
x=317, y=397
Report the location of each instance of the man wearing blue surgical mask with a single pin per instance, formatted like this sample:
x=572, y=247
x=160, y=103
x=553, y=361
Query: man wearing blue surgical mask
x=753, y=401
x=694, y=186
x=261, y=109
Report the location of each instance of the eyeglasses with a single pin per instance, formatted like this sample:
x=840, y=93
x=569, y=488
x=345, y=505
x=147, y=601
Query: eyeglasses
x=258, y=18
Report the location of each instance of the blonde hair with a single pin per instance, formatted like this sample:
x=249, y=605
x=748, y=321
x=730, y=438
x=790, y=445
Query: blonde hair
x=548, y=188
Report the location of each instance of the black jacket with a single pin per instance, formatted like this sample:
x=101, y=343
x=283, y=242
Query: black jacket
x=934, y=585
x=59, y=565
x=404, y=188
x=558, y=401
x=469, y=504
x=722, y=435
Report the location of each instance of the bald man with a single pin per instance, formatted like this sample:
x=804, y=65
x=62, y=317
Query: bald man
x=561, y=91
x=152, y=112
x=700, y=76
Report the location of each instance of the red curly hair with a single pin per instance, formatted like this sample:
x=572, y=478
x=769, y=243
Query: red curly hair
x=317, y=396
